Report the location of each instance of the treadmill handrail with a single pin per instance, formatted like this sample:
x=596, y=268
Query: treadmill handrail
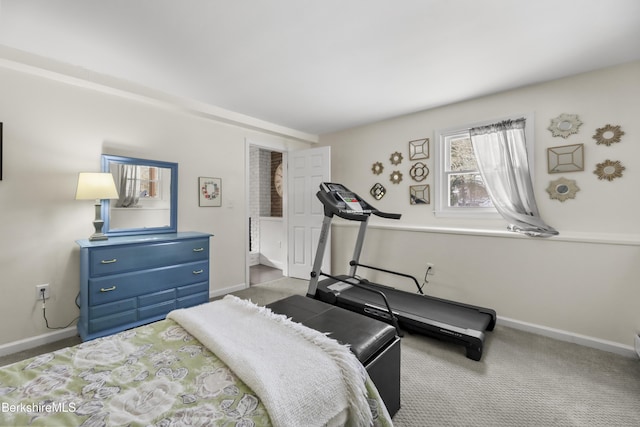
x=387, y=215
x=392, y=317
x=408, y=276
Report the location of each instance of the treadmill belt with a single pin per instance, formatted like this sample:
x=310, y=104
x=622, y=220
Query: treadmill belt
x=426, y=307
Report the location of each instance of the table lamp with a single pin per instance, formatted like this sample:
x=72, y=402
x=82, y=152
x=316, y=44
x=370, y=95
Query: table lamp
x=96, y=186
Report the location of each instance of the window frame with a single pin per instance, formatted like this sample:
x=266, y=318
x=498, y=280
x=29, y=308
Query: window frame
x=442, y=138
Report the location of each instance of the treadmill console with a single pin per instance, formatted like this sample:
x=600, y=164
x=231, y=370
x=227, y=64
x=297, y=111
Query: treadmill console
x=345, y=199
x=339, y=200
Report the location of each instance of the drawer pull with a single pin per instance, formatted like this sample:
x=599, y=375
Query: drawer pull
x=198, y=271
x=108, y=261
x=198, y=249
x=113, y=288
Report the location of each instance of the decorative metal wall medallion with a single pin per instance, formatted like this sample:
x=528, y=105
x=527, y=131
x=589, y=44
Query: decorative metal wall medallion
x=396, y=158
x=378, y=191
x=395, y=177
x=609, y=170
x=608, y=135
x=562, y=189
x=564, y=125
x=567, y=158
x=377, y=168
x=419, y=194
x=419, y=171
x=419, y=149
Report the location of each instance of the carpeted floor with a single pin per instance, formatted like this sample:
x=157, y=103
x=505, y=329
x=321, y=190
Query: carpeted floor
x=522, y=380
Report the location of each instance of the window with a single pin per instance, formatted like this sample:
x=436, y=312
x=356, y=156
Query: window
x=149, y=182
x=142, y=182
x=460, y=190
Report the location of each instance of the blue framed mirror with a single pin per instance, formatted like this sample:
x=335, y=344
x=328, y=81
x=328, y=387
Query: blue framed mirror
x=148, y=196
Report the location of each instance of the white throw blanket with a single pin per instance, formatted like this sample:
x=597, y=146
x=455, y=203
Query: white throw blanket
x=303, y=377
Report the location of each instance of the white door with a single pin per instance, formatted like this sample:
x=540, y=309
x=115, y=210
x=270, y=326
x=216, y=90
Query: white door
x=306, y=170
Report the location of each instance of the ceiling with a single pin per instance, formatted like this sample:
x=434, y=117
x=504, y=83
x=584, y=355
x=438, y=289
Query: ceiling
x=327, y=65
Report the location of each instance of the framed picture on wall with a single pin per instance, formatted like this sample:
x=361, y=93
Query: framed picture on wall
x=210, y=191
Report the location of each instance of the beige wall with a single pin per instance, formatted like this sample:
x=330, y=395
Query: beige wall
x=585, y=282
x=52, y=131
x=580, y=284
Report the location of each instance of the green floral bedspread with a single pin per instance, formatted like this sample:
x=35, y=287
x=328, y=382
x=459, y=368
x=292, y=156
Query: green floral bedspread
x=153, y=375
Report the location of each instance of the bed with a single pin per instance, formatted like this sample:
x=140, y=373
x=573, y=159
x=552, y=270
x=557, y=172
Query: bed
x=224, y=363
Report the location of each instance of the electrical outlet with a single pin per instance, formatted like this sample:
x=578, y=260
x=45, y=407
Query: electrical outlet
x=40, y=289
x=430, y=269
x=637, y=343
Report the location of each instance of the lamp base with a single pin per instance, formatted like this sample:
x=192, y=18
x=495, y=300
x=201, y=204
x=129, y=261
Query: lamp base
x=98, y=236
x=98, y=223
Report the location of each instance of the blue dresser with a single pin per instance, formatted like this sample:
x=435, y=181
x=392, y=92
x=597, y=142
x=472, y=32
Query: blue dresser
x=128, y=281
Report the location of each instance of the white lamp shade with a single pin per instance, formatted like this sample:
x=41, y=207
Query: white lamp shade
x=96, y=185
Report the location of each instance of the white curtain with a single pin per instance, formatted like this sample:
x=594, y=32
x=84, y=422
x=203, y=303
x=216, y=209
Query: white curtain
x=129, y=186
x=501, y=154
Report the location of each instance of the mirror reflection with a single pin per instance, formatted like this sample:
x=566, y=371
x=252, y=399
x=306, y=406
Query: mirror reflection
x=147, y=192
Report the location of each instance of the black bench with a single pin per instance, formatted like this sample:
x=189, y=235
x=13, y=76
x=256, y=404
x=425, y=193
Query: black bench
x=373, y=342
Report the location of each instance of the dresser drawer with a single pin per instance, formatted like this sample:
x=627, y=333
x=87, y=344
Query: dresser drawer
x=106, y=322
x=193, y=289
x=116, y=287
x=156, y=310
x=195, y=299
x=112, y=308
x=118, y=259
x=157, y=297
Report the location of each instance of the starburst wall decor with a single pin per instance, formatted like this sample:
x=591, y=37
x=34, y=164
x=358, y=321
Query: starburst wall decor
x=395, y=158
x=565, y=125
x=396, y=177
x=377, y=168
x=562, y=189
x=607, y=135
x=609, y=170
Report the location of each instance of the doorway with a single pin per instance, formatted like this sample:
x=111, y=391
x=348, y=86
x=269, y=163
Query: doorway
x=286, y=242
x=267, y=229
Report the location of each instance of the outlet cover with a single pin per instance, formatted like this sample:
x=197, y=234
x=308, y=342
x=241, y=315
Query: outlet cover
x=39, y=288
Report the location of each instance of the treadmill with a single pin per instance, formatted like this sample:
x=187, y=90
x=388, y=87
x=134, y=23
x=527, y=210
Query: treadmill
x=451, y=321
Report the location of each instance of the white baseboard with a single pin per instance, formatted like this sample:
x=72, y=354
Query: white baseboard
x=37, y=341
x=587, y=341
x=219, y=292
